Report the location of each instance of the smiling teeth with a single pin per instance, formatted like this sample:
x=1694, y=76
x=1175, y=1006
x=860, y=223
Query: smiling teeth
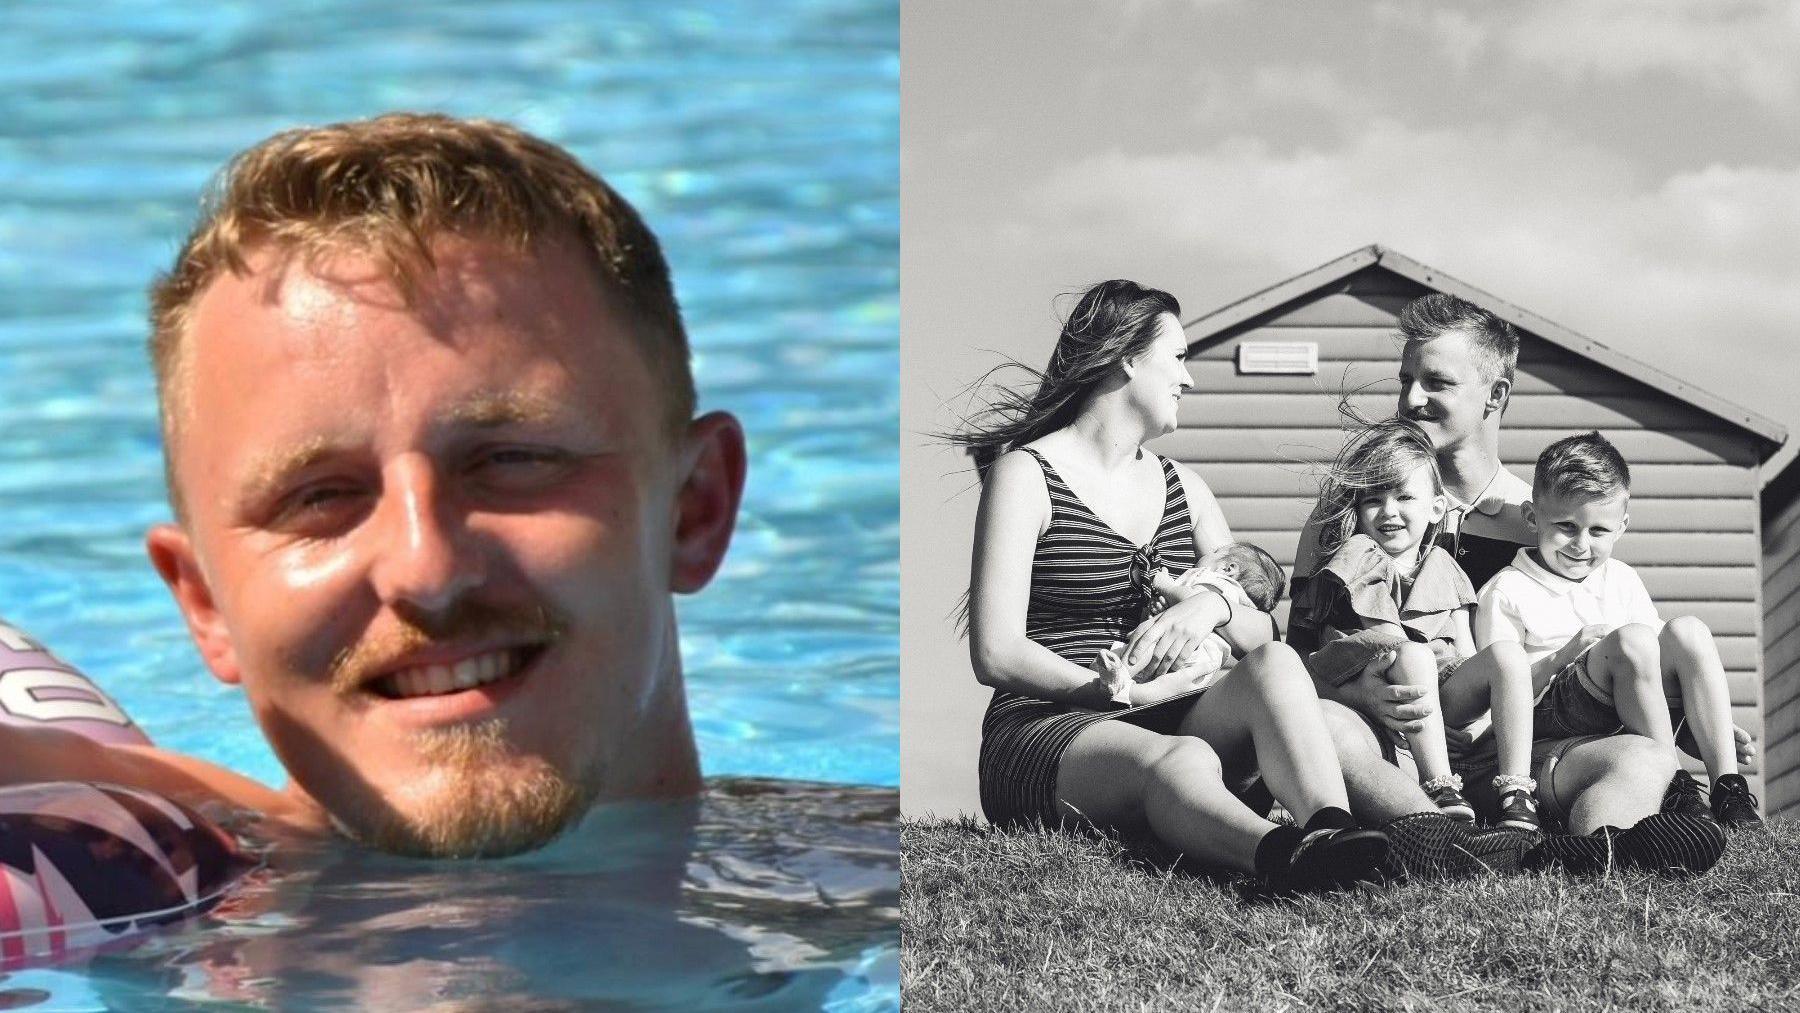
x=436, y=680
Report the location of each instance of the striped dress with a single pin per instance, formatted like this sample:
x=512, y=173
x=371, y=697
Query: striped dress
x=1089, y=588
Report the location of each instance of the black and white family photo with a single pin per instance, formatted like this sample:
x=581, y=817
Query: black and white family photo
x=1347, y=528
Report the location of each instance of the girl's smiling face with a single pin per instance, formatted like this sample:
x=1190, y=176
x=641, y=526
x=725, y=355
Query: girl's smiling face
x=1396, y=517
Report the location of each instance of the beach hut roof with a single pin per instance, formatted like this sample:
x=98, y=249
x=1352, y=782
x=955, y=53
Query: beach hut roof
x=1767, y=435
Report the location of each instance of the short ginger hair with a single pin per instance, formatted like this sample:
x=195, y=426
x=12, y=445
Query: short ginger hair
x=390, y=186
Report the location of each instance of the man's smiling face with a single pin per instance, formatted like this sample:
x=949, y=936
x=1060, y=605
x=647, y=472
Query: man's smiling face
x=435, y=540
x=1443, y=388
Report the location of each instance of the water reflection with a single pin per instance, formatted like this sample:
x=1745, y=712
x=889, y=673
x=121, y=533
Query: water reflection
x=760, y=895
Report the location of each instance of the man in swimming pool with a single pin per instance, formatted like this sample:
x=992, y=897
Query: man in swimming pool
x=431, y=448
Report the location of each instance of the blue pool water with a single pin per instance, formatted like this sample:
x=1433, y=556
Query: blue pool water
x=761, y=141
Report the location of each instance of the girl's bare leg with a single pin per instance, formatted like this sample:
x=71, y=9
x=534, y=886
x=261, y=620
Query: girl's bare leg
x=1119, y=775
x=1497, y=678
x=1691, y=671
x=1629, y=660
x=1415, y=665
x=1265, y=716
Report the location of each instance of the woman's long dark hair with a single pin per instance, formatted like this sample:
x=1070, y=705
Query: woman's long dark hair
x=1111, y=324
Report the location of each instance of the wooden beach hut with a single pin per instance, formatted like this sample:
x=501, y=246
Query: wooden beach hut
x=1270, y=369
x=1781, y=638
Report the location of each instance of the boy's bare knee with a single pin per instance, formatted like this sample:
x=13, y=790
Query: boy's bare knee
x=1687, y=630
x=1633, y=651
x=1635, y=638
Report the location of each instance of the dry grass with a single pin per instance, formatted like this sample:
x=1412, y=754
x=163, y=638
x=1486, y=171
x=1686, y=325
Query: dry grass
x=1034, y=920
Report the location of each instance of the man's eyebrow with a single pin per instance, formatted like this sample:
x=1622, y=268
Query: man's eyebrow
x=504, y=408
x=268, y=469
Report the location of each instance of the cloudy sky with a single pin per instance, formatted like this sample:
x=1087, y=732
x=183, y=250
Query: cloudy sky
x=1629, y=169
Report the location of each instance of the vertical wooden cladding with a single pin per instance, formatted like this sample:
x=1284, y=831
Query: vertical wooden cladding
x=1260, y=442
x=1781, y=643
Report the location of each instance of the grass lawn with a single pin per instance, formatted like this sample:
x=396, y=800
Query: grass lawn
x=1051, y=920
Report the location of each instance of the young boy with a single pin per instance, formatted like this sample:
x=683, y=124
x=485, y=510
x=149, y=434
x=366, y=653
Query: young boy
x=1602, y=658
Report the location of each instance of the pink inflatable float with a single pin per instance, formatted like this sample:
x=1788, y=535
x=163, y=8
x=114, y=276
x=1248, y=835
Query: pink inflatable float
x=39, y=690
x=84, y=866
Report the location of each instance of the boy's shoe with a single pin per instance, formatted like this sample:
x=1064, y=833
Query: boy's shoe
x=1451, y=802
x=1732, y=803
x=1683, y=796
x=1518, y=810
x=1331, y=860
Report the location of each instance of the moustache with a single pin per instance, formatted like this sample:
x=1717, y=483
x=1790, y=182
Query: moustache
x=353, y=666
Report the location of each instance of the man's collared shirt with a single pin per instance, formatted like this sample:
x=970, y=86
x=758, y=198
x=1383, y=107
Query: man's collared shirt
x=1484, y=535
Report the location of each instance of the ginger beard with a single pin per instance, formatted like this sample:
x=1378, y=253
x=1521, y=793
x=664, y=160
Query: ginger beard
x=477, y=796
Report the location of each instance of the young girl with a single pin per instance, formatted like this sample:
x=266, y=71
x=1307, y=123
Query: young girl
x=1386, y=594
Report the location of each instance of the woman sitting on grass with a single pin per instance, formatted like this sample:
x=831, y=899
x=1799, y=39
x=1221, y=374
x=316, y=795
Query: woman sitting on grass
x=1076, y=521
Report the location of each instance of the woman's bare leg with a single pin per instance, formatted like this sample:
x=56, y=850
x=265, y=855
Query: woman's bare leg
x=1264, y=716
x=1119, y=775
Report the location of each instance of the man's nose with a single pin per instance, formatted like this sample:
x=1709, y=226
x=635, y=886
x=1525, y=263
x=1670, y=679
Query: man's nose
x=424, y=557
x=1411, y=397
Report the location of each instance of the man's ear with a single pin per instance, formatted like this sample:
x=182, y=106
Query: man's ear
x=1498, y=393
x=172, y=553
x=706, y=504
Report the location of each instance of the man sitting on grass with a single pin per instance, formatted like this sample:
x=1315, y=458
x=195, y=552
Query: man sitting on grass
x=1456, y=377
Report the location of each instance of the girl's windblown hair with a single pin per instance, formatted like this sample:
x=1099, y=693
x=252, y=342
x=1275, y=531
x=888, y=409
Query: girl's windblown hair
x=1380, y=456
x=1112, y=323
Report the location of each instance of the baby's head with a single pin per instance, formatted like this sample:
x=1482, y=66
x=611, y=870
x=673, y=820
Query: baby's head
x=1579, y=495
x=1254, y=570
x=1384, y=484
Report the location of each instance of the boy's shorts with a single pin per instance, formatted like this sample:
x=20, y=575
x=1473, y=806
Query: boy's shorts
x=1342, y=660
x=1575, y=704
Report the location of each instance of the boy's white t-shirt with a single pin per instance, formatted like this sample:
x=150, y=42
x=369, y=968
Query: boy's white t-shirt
x=1543, y=610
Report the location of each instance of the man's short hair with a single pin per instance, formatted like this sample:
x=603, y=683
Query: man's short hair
x=391, y=185
x=1496, y=342
x=1586, y=465
x=1258, y=574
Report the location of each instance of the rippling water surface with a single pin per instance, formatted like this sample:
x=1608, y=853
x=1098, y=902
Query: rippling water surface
x=759, y=140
